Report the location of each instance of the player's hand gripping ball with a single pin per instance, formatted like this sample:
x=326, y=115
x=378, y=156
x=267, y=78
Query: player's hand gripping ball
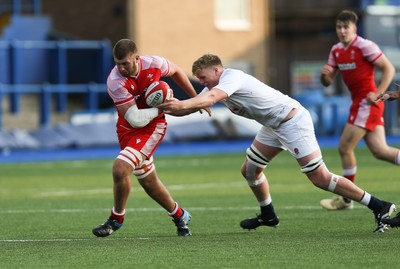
x=157, y=93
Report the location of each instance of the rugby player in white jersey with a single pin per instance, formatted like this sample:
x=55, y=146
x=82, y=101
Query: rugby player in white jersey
x=286, y=125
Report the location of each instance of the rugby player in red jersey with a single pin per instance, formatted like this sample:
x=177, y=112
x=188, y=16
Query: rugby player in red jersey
x=356, y=59
x=140, y=130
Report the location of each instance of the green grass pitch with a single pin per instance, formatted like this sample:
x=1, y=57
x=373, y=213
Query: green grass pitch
x=49, y=208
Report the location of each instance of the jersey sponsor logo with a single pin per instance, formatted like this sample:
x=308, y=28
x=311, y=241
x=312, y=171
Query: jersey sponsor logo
x=347, y=66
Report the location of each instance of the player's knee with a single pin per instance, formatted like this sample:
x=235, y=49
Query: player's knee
x=253, y=174
x=121, y=170
x=144, y=169
x=250, y=173
x=324, y=179
x=343, y=150
x=254, y=182
x=253, y=168
x=379, y=154
x=243, y=170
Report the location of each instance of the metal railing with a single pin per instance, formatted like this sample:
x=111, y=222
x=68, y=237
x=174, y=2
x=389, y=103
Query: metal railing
x=17, y=7
x=30, y=65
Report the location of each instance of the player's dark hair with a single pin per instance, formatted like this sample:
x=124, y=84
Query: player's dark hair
x=124, y=47
x=347, y=15
x=205, y=61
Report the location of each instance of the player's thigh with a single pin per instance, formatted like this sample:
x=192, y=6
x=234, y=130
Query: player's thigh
x=350, y=137
x=267, y=144
x=376, y=140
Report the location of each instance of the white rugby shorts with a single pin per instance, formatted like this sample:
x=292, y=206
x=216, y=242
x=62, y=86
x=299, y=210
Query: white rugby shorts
x=295, y=135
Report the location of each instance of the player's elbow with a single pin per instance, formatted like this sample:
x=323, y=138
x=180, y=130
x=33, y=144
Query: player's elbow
x=136, y=123
x=139, y=118
x=392, y=71
x=214, y=96
x=389, y=70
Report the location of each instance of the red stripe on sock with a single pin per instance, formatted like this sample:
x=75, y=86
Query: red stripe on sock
x=118, y=218
x=178, y=214
x=352, y=178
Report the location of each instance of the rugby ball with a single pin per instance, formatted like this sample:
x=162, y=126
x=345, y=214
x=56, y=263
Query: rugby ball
x=157, y=93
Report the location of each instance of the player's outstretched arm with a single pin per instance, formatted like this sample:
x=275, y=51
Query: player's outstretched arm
x=172, y=105
x=201, y=101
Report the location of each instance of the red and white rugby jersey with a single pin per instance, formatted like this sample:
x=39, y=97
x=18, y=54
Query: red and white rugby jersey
x=356, y=65
x=122, y=89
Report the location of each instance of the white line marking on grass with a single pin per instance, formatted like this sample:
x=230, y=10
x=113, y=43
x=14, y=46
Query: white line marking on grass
x=207, y=185
x=73, y=192
x=58, y=193
x=29, y=211
x=65, y=240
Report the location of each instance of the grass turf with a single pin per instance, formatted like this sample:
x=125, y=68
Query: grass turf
x=49, y=208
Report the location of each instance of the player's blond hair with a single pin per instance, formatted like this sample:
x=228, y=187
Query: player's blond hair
x=205, y=61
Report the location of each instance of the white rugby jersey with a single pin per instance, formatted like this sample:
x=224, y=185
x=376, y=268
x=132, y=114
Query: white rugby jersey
x=250, y=98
